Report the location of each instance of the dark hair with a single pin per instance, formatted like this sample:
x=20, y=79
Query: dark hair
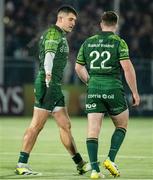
x=67, y=9
x=110, y=18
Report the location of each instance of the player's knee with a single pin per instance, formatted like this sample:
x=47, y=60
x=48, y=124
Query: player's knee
x=66, y=126
x=122, y=124
x=35, y=128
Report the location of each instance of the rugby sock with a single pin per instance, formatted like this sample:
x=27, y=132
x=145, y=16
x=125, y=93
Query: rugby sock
x=92, y=147
x=116, y=141
x=23, y=158
x=77, y=158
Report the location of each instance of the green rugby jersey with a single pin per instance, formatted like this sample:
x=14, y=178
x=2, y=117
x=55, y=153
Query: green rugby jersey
x=54, y=40
x=101, y=54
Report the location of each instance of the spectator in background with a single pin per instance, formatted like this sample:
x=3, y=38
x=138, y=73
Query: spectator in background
x=29, y=18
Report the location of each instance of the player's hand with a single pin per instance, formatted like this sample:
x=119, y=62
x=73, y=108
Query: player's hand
x=136, y=99
x=48, y=79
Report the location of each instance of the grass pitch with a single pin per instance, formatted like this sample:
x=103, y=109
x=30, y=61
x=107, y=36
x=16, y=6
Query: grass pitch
x=135, y=158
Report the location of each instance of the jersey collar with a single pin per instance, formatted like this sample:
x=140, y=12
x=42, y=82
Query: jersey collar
x=107, y=32
x=59, y=29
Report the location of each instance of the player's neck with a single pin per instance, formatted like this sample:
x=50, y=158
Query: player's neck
x=60, y=26
x=108, y=30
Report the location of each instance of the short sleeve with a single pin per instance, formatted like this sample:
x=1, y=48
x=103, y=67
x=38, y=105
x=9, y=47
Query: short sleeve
x=52, y=41
x=80, y=56
x=123, y=50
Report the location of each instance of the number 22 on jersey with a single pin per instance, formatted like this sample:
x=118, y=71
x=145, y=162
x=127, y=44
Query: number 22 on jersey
x=104, y=57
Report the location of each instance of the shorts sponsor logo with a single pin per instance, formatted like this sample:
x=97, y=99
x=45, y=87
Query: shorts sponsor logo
x=99, y=96
x=108, y=96
x=91, y=106
x=94, y=95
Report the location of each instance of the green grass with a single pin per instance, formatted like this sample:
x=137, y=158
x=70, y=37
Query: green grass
x=135, y=158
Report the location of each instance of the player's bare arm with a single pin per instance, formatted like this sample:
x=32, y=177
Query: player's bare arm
x=82, y=73
x=130, y=77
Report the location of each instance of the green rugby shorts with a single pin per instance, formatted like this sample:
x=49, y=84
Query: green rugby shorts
x=48, y=98
x=112, y=101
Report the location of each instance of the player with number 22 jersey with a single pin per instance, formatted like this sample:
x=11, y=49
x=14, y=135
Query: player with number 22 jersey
x=102, y=54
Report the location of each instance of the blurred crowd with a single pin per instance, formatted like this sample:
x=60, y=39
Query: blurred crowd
x=137, y=27
x=25, y=20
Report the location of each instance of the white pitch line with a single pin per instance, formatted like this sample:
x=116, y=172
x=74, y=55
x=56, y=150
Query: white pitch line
x=65, y=155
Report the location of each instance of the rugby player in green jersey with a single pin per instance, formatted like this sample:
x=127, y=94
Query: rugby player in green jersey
x=49, y=99
x=104, y=55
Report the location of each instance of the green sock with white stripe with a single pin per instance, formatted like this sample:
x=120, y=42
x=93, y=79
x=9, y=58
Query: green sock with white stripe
x=23, y=158
x=116, y=141
x=92, y=147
